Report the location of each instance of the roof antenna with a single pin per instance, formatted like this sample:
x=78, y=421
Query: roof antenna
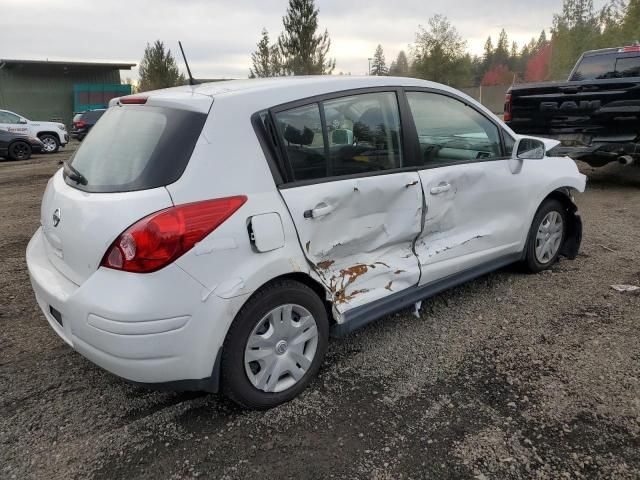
x=192, y=81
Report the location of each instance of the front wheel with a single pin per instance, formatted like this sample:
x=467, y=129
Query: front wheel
x=19, y=151
x=275, y=345
x=51, y=143
x=546, y=236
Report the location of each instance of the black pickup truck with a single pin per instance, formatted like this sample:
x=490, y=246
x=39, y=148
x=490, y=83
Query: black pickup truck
x=595, y=115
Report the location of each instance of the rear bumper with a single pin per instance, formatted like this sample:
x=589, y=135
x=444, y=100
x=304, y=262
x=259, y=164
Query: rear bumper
x=159, y=328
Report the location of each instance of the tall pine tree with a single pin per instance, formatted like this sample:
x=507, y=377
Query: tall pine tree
x=400, y=67
x=378, y=67
x=158, y=69
x=304, y=52
x=266, y=59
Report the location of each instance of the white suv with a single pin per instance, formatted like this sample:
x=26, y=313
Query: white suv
x=213, y=236
x=52, y=134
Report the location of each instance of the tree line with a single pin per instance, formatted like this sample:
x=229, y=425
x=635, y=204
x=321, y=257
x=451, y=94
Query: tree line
x=438, y=53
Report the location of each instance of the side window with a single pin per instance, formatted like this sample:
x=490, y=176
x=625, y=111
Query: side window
x=6, y=117
x=300, y=131
x=450, y=131
x=362, y=134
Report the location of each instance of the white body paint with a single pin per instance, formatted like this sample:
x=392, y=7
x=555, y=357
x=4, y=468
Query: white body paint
x=373, y=237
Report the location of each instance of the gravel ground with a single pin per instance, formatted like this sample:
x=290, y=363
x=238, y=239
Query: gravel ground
x=508, y=376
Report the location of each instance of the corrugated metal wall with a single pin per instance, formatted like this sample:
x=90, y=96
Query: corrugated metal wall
x=45, y=92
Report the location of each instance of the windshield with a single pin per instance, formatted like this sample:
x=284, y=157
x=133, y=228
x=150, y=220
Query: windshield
x=136, y=148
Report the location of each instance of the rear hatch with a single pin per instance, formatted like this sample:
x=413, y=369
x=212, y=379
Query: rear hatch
x=118, y=176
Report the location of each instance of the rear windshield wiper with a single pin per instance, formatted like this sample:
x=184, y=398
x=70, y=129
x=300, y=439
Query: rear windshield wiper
x=74, y=174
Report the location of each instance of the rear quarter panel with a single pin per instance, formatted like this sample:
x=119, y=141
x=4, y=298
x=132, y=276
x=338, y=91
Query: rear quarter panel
x=227, y=161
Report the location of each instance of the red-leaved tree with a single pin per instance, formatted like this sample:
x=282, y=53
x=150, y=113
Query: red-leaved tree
x=497, y=75
x=538, y=67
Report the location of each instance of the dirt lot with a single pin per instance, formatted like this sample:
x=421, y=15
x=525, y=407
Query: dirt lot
x=509, y=376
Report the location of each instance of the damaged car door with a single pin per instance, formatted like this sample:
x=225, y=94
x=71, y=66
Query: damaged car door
x=356, y=215
x=476, y=201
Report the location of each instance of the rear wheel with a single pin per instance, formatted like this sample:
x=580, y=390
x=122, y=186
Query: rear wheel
x=275, y=345
x=546, y=236
x=19, y=151
x=51, y=143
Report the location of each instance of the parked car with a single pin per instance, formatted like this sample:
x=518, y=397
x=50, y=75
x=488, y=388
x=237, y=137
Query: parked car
x=198, y=244
x=52, y=134
x=83, y=122
x=16, y=146
x=595, y=114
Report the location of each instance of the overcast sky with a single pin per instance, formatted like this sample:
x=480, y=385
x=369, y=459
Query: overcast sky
x=219, y=35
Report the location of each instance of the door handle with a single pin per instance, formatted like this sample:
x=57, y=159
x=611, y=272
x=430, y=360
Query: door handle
x=320, y=211
x=441, y=188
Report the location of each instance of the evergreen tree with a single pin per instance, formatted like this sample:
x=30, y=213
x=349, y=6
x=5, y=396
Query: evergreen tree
x=266, y=59
x=631, y=22
x=487, y=57
x=378, y=67
x=575, y=30
x=400, y=67
x=501, y=53
x=542, y=40
x=612, y=17
x=303, y=51
x=158, y=69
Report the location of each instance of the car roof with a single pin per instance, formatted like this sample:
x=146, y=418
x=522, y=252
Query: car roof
x=261, y=93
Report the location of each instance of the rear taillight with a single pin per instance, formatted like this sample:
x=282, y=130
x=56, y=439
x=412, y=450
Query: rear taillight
x=507, y=108
x=631, y=48
x=80, y=124
x=157, y=240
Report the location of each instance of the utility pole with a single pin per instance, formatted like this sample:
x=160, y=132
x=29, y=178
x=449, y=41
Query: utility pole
x=369, y=71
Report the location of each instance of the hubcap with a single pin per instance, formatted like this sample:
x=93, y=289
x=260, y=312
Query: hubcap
x=549, y=237
x=281, y=348
x=49, y=144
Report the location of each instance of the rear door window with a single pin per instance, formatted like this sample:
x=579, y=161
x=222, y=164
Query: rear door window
x=343, y=136
x=137, y=148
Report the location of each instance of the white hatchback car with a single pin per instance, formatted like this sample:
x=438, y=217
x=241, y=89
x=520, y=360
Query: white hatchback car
x=213, y=236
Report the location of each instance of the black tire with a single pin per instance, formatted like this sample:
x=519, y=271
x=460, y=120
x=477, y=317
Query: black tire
x=235, y=382
x=19, y=151
x=531, y=262
x=50, y=139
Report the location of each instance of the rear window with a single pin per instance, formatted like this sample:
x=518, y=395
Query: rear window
x=598, y=67
x=93, y=115
x=595, y=67
x=136, y=148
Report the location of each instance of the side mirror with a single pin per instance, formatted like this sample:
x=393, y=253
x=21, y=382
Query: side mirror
x=529, y=149
x=22, y=121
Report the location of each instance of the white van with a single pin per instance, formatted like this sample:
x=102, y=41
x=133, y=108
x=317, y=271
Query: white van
x=213, y=236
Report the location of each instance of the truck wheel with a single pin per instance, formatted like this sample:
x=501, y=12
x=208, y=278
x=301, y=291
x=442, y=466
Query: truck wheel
x=546, y=236
x=275, y=345
x=19, y=151
x=51, y=143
